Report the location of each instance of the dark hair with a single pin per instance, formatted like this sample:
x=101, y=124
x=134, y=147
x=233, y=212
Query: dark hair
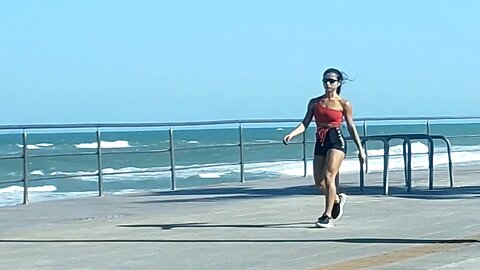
x=341, y=76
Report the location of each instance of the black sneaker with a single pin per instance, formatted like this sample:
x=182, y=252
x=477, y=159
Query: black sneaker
x=337, y=210
x=324, y=222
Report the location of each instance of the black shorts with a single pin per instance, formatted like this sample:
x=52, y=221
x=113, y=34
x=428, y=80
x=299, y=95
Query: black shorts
x=333, y=140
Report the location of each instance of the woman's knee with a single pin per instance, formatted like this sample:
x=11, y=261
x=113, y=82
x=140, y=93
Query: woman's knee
x=320, y=184
x=322, y=187
x=329, y=177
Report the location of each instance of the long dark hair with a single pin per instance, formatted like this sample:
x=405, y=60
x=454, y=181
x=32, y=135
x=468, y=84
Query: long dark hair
x=341, y=76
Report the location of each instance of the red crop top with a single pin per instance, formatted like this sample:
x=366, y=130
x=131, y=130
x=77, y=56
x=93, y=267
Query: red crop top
x=326, y=118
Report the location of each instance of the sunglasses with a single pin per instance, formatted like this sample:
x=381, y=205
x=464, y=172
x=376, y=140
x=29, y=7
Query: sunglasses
x=325, y=80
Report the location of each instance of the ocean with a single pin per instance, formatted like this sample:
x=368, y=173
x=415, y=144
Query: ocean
x=203, y=156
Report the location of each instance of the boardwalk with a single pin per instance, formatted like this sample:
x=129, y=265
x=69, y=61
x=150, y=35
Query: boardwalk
x=264, y=224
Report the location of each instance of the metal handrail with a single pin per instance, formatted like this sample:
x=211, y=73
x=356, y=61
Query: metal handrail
x=99, y=127
x=222, y=122
x=407, y=157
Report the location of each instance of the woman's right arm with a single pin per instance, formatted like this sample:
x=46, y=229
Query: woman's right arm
x=303, y=125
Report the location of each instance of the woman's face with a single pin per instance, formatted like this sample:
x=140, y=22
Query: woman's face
x=331, y=82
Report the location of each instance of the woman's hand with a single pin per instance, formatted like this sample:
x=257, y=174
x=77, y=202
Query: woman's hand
x=362, y=156
x=287, y=139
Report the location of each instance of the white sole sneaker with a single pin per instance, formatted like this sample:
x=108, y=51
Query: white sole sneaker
x=319, y=224
x=322, y=225
x=343, y=200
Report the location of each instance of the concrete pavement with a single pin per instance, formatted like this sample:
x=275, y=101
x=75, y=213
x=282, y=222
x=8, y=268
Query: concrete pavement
x=267, y=224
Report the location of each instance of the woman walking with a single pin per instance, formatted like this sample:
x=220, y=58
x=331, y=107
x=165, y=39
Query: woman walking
x=329, y=111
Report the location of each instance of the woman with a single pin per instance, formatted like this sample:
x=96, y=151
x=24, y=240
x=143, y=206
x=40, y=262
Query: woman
x=330, y=148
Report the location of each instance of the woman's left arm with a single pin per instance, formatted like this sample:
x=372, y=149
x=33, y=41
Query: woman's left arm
x=348, y=114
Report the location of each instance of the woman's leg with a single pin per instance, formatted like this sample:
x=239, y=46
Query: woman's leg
x=318, y=172
x=337, y=184
x=332, y=163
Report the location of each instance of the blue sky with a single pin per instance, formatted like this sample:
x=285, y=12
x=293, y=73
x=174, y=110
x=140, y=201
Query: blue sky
x=155, y=61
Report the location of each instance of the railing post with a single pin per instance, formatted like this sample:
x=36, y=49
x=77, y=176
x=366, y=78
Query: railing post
x=242, y=164
x=25, y=167
x=409, y=164
x=386, y=155
x=365, y=145
x=304, y=150
x=405, y=162
x=172, y=159
x=431, y=152
x=450, y=165
x=99, y=164
x=362, y=172
x=428, y=127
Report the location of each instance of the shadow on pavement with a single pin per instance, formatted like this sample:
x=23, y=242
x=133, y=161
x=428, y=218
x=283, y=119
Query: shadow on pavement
x=341, y=240
x=213, y=194
x=293, y=225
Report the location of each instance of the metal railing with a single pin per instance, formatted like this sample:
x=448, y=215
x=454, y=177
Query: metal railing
x=172, y=126
x=407, y=157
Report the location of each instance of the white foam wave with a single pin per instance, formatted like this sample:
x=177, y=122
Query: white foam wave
x=462, y=148
x=77, y=173
x=125, y=173
x=375, y=164
x=417, y=148
x=16, y=189
x=37, y=172
x=211, y=175
x=128, y=191
x=288, y=168
x=29, y=146
x=35, y=146
x=421, y=148
x=14, y=198
x=291, y=168
x=44, y=144
x=104, y=144
x=267, y=141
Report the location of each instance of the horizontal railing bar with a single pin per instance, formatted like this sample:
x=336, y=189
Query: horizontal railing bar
x=137, y=152
x=219, y=122
x=167, y=170
x=266, y=143
x=180, y=149
x=62, y=177
x=282, y=160
x=142, y=125
x=270, y=160
x=93, y=153
x=62, y=155
x=206, y=166
x=463, y=136
x=10, y=157
x=11, y=181
x=135, y=172
x=292, y=143
x=207, y=147
x=416, y=118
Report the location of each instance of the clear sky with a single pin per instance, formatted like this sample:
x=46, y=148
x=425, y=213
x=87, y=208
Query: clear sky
x=154, y=61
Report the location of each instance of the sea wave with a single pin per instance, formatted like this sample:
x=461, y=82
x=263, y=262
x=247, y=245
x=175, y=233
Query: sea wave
x=133, y=177
x=36, y=146
x=104, y=144
x=18, y=189
x=274, y=168
x=417, y=148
